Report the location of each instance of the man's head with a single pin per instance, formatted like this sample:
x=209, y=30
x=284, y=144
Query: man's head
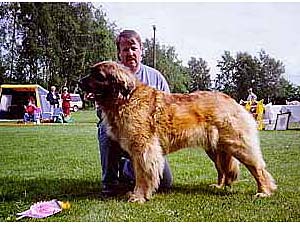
x=129, y=47
x=53, y=88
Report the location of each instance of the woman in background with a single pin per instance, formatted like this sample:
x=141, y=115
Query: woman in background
x=66, y=98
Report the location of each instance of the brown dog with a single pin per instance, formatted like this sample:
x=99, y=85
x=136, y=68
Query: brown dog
x=149, y=123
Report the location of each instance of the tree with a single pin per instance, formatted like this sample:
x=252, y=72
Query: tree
x=53, y=43
x=198, y=72
x=271, y=71
x=168, y=64
x=10, y=36
x=225, y=79
x=286, y=91
x=246, y=73
x=104, y=34
x=238, y=74
x=3, y=34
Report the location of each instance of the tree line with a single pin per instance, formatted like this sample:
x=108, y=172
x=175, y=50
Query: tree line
x=56, y=43
x=52, y=43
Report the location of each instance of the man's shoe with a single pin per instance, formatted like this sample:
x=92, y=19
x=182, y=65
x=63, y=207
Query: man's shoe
x=109, y=190
x=164, y=189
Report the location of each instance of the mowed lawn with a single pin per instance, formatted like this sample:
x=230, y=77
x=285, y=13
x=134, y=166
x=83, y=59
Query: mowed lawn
x=61, y=161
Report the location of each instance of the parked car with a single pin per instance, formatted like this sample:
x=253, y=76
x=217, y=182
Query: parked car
x=76, y=102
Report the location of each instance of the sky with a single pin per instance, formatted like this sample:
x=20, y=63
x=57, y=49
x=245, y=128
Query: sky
x=206, y=30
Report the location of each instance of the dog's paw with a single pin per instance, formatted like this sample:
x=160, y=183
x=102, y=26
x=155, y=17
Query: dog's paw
x=262, y=195
x=218, y=186
x=135, y=198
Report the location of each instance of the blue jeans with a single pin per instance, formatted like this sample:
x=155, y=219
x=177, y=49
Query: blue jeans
x=111, y=156
x=29, y=117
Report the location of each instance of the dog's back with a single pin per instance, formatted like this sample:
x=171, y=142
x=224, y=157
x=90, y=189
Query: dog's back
x=201, y=118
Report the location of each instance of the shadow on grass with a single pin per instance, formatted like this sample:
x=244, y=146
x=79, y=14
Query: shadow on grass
x=43, y=189
x=201, y=189
x=66, y=189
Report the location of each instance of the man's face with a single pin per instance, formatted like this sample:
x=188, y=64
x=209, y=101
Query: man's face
x=130, y=53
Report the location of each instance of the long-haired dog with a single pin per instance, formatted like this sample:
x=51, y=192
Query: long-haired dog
x=149, y=123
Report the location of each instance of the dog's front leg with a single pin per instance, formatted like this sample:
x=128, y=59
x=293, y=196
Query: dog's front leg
x=142, y=190
x=148, y=167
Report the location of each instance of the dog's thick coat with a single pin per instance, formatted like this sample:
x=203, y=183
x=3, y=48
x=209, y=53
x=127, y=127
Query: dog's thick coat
x=149, y=123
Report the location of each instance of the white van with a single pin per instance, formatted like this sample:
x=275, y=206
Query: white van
x=76, y=102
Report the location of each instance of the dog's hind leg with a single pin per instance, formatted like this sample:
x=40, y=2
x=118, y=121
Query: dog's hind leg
x=230, y=167
x=265, y=182
x=227, y=167
x=210, y=145
x=221, y=175
x=148, y=167
x=251, y=157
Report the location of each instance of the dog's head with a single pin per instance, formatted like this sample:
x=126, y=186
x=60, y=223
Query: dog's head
x=109, y=79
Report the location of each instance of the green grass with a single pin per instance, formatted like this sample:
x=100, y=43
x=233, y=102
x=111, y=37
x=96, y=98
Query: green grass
x=62, y=161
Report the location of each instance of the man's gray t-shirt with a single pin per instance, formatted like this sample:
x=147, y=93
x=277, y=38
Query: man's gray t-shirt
x=152, y=78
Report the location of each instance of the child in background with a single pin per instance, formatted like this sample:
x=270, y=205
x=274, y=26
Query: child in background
x=30, y=111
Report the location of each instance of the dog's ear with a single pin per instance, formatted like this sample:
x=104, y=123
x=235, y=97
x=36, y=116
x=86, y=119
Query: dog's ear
x=124, y=80
x=125, y=84
x=126, y=89
x=102, y=70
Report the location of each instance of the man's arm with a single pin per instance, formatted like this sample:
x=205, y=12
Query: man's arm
x=164, y=84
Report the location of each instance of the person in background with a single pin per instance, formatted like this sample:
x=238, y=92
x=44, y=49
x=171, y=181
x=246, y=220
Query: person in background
x=117, y=170
x=251, y=96
x=30, y=111
x=53, y=99
x=66, y=98
x=251, y=104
